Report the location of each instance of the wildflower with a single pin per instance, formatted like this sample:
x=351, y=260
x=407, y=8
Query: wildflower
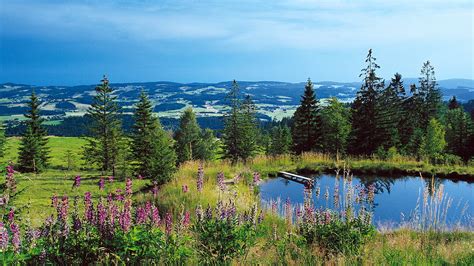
x=141, y=215
x=185, y=219
x=101, y=213
x=125, y=218
x=111, y=179
x=128, y=187
x=288, y=210
x=326, y=194
x=11, y=215
x=77, y=181
x=155, y=216
x=220, y=181
x=10, y=179
x=16, y=242
x=256, y=178
x=318, y=191
x=101, y=184
x=64, y=210
x=260, y=217
x=168, y=223
x=208, y=213
x=274, y=206
x=371, y=193
x=118, y=195
x=200, y=178
x=140, y=177
x=3, y=237
x=199, y=213
x=89, y=208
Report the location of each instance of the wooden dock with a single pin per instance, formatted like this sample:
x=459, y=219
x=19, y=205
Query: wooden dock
x=297, y=178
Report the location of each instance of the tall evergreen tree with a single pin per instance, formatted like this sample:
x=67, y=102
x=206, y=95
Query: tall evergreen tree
x=103, y=148
x=187, y=136
x=3, y=140
x=280, y=140
x=335, y=127
x=459, y=132
x=365, y=138
x=152, y=146
x=240, y=127
x=34, y=153
x=306, y=125
x=430, y=94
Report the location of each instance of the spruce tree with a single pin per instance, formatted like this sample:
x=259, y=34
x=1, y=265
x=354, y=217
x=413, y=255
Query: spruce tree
x=459, y=131
x=207, y=146
x=280, y=140
x=187, y=136
x=365, y=138
x=104, y=147
x=232, y=124
x=3, y=140
x=335, y=127
x=152, y=147
x=34, y=153
x=306, y=125
x=249, y=131
x=430, y=94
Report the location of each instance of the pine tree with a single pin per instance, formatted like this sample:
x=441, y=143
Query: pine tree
x=103, y=148
x=187, y=136
x=430, y=94
x=3, y=140
x=459, y=131
x=453, y=103
x=306, y=125
x=152, y=146
x=365, y=138
x=335, y=127
x=249, y=130
x=280, y=140
x=34, y=153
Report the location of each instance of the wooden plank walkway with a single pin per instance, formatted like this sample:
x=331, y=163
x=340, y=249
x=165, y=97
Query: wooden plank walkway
x=297, y=178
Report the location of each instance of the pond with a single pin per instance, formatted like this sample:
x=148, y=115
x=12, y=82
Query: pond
x=395, y=200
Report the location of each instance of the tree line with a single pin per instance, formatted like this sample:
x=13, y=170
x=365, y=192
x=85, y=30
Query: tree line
x=383, y=120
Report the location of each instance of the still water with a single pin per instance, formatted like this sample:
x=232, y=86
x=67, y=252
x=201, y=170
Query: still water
x=395, y=198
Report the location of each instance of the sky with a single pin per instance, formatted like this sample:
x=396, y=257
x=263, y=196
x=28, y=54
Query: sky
x=73, y=42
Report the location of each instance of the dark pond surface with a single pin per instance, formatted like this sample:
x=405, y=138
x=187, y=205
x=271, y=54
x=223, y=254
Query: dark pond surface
x=395, y=198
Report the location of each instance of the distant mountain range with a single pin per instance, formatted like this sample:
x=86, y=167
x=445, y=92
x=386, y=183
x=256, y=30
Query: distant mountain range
x=274, y=99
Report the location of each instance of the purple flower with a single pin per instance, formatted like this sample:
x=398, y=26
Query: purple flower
x=3, y=237
x=140, y=177
x=168, y=223
x=288, y=210
x=16, y=242
x=101, y=184
x=54, y=201
x=256, y=178
x=128, y=187
x=111, y=179
x=125, y=218
x=11, y=215
x=141, y=215
x=118, y=195
x=89, y=208
x=64, y=210
x=220, y=181
x=186, y=219
x=101, y=214
x=77, y=181
x=155, y=216
x=200, y=178
x=185, y=188
x=10, y=179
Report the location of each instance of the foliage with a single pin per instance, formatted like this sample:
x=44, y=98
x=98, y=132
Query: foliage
x=459, y=133
x=433, y=143
x=306, y=125
x=33, y=153
x=224, y=234
x=104, y=146
x=3, y=140
x=335, y=127
x=281, y=141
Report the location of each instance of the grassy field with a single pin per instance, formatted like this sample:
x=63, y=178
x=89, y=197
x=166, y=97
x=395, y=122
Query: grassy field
x=400, y=247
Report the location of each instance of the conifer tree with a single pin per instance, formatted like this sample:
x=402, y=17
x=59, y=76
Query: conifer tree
x=249, y=130
x=104, y=147
x=34, y=153
x=3, y=140
x=453, y=103
x=306, y=125
x=232, y=124
x=365, y=138
x=459, y=132
x=152, y=146
x=280, y=140
x=335, y=127
x=187, y=136
x=430, y=94
x=207, y=147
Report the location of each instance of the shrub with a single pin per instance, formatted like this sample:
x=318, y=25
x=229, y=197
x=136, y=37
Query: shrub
x=225, y=235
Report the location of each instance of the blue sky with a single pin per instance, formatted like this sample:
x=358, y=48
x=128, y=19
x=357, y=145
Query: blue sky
x=46, y=42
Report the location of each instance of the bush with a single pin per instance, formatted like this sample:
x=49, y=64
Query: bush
x=225, y=235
